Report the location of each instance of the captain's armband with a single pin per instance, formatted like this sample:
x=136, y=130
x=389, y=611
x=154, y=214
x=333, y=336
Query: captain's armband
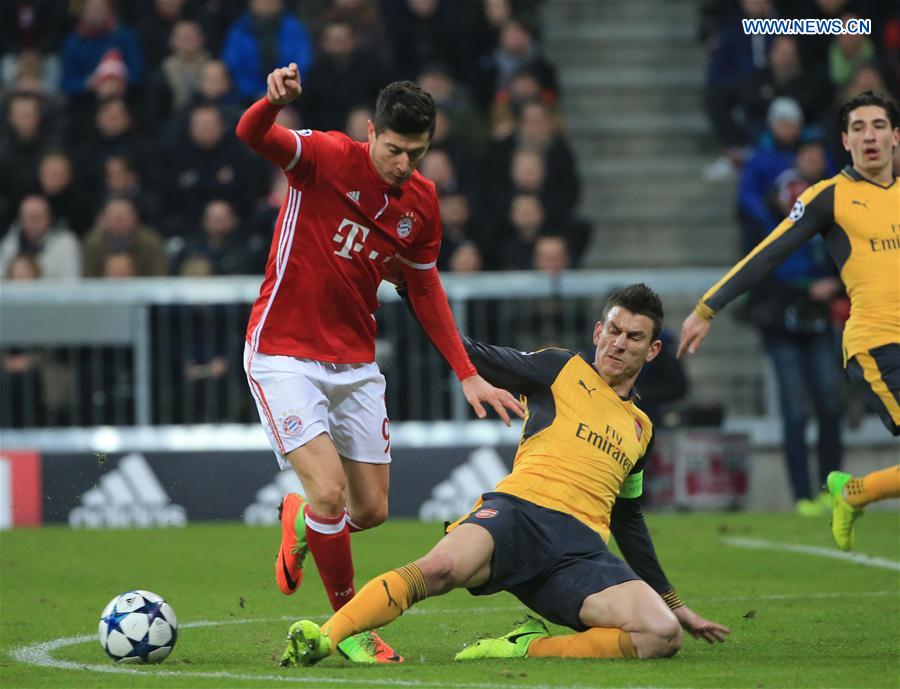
x=704, y=312
x=632, y=486
x=672, y=599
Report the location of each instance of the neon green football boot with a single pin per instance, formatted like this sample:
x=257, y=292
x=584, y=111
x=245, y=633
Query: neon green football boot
x=512, y=645
x=842, y=514
x=368, y=648
x=306, y=645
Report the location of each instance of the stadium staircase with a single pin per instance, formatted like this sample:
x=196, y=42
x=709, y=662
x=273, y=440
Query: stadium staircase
x=631, y=75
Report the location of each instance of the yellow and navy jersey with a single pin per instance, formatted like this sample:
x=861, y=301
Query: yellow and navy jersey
x=582, y=446
x=860, y=222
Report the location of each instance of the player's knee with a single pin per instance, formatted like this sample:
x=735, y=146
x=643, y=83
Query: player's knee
x=327, y=500
x=672, y=639
x=437, y=568
x=661, y=639
x=370, y=516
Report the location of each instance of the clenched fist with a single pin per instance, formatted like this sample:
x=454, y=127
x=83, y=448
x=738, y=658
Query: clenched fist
x=283, y=85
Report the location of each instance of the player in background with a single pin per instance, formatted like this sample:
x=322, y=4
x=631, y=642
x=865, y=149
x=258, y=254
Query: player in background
x=858, y=214
x=352, y=211
x=542, y=533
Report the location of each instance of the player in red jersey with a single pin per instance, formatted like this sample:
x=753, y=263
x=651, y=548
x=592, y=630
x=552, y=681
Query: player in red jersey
x=353, y=214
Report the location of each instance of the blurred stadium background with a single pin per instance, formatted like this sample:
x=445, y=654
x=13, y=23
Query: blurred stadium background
x=581, y=145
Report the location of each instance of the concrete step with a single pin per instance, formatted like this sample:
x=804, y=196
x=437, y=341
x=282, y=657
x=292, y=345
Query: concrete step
x=613, y=57
x=647, y=214
x=680, y=12
x=661, y=170
x=689, y=193
x=630, y=78
x=579, y=103
x=718, y=244
x=668, y=123
x=591, y=145
x=668, y=249
x=621, y=33
x=622, y=45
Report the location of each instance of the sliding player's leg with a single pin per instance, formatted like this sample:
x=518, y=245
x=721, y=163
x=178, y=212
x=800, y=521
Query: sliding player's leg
x=461, y=558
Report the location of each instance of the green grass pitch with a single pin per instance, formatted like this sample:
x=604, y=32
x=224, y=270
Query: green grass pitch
x=799, y=619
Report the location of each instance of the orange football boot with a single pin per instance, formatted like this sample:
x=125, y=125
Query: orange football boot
x=292, y=551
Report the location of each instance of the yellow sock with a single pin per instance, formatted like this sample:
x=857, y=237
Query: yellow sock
x=600, y=642
x=875, y=486
x=381, y=600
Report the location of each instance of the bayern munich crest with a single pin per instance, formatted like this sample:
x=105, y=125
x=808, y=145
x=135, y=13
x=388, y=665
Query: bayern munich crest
x=292, y=425
x=405, y=224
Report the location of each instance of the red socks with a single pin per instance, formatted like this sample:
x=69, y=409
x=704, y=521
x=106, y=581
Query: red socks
x=328, y=539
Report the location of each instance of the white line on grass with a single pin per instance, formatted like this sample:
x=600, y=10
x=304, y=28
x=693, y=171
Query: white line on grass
x=796, y=596
x=858, y=558
x=40, y=653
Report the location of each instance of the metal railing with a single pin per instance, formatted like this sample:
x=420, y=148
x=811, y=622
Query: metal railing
x=150, y=352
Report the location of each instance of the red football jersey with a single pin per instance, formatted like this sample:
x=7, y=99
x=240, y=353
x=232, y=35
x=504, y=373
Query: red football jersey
x=339, y=228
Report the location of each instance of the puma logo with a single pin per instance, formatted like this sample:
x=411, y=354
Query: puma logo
x=391, y=600
x=864, y=204
x=584, y=385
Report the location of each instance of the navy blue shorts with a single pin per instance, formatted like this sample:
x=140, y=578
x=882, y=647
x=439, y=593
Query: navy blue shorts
x=876, y=374
x=547, y=559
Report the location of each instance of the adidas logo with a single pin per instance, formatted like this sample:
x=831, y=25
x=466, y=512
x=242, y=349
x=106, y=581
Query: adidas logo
x=353, y=196
x=129, y=495
x=455, y=495
x=263, y=510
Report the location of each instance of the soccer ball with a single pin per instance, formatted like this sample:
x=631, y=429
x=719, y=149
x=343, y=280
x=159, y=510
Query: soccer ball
x=138, y=627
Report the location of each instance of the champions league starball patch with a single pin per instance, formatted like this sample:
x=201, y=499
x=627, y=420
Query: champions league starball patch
x=405, y=224
x=292, y=425
x=797, y=211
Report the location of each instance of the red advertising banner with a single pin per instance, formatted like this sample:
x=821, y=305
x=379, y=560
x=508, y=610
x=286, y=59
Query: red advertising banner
x=21, y=494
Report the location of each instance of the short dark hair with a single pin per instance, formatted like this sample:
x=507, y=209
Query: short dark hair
x=639, y=299
x=869, y=98
x=405, y=108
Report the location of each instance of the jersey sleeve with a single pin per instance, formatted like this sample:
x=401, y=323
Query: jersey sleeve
x=628, y=527
x=305, y=155
x=812, y=213
x=519, y=372
x=275, y=143
x=319, y=155
x=423, y=253
x=425, y=297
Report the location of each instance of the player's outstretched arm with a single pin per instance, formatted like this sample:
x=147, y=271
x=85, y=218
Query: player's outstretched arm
x=699, y=627
x=479, y=392
x=813, y=213
x=693, y=330
x=427, y=301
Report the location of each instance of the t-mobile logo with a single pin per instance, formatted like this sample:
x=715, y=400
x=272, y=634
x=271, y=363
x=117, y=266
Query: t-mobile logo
x=353, y=242
x=349, y=242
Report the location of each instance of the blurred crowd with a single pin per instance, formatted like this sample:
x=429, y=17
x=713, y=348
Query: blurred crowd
x=117, y=149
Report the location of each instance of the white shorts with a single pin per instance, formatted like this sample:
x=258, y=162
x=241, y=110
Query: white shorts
x=299, y=399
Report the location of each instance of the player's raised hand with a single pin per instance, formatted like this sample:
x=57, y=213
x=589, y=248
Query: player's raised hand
x=693, y=330
x=283, y=84
x=477, y=391
x=700, y=628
